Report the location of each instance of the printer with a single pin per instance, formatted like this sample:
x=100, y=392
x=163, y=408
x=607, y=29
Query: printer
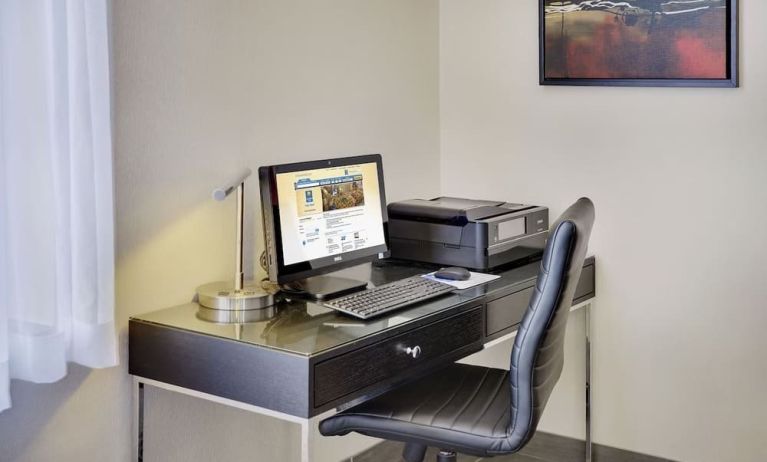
x=475, y=234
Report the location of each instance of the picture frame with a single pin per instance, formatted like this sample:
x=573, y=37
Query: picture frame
x=638, y=43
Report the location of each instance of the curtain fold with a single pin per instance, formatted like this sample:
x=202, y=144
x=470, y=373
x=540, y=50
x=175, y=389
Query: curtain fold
x=56, y=193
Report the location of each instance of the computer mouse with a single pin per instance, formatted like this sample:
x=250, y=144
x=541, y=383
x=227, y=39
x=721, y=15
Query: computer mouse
x=454, y=273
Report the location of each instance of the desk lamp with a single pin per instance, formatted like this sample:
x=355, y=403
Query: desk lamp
x=236, y=295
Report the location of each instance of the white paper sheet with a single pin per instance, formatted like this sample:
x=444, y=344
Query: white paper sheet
x=474, y=280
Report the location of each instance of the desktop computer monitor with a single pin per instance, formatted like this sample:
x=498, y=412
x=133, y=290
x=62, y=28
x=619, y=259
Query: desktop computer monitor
x=321, y=216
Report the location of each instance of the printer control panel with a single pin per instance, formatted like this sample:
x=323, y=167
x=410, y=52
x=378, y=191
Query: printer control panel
x=510, y=227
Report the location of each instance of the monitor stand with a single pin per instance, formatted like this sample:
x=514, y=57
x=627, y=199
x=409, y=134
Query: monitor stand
x=326, y=287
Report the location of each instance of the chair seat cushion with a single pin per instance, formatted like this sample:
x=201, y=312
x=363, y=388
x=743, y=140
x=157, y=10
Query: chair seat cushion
x=462, y=407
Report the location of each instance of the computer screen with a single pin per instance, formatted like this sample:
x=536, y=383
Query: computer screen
x=329, y=211
x=324, y=214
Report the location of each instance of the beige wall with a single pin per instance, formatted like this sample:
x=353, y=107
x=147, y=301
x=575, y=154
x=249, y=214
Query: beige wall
x=678, y=179
x=203, y=88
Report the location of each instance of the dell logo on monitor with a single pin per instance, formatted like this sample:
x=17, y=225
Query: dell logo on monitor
x=338, y=258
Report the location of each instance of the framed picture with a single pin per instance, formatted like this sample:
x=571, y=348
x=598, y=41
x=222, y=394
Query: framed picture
x=659, y=43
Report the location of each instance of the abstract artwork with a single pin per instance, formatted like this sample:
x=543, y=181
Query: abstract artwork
x=639, y=42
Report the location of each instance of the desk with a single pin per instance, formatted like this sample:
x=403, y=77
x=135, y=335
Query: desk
x=304, y=359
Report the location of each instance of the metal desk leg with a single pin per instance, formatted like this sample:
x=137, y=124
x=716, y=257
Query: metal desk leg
x=308, y=426
x=307, y=439
x=588, y=381
x=138, y=420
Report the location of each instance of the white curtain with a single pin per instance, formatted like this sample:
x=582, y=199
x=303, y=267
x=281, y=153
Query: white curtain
x=56, y=198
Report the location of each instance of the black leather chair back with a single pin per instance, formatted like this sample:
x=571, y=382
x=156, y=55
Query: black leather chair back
x=538, y=353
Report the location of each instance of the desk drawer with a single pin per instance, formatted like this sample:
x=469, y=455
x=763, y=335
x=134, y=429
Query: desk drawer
x=353, y=371
x=585, y=287
x=507, y=311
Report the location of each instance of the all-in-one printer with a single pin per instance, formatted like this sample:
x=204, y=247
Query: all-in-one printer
x=474, y=234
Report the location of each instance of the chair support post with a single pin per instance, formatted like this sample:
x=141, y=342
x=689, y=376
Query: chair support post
x=446, y=456
x=414, y=452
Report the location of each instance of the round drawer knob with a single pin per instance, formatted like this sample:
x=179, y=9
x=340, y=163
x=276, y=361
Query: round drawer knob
x=415, y=352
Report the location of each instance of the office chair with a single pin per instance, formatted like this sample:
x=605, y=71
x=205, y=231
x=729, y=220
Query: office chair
x=479, y=410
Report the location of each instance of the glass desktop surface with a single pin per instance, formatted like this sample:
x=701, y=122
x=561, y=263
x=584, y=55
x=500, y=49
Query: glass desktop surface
x=307, y=328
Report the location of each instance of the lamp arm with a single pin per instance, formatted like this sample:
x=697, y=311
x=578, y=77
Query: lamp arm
x=239, y=276
x=223, y=192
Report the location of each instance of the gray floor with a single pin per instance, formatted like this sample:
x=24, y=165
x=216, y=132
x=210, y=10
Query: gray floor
x=544, y=447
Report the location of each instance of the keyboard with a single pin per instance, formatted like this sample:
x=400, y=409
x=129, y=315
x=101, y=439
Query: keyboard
x=373, y=302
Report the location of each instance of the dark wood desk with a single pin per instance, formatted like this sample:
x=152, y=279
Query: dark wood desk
x=303, y=359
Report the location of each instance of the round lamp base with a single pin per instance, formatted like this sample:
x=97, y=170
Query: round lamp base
x=235, y=317
x=222, y=296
